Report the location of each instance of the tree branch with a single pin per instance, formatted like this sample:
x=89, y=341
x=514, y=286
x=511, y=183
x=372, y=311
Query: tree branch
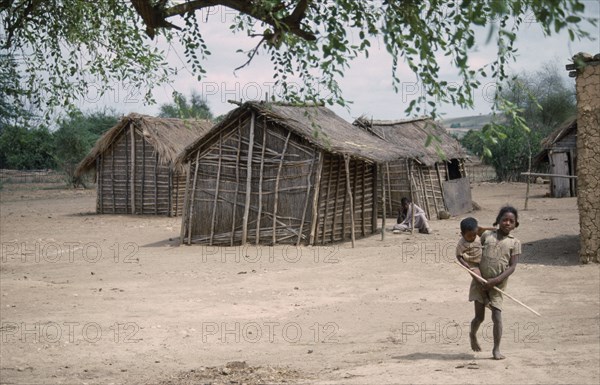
x=157, y=17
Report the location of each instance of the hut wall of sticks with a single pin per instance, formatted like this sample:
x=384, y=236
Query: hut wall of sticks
x=434, y=176
x=135, y=165
x=280, y=174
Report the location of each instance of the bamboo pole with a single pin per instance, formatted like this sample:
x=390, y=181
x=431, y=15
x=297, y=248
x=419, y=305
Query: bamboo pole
x=498, y=289
x=260, y=182
x=412, y=199
x=192, y=198
x=363, y=202
x=237, y=182
x=214, y=211
x=248, y=181
x=315, y=209
x=132, y=131
x=276, y=198
x=375, y=195
x=347, y=162
x=383, y=218
x=170, y=191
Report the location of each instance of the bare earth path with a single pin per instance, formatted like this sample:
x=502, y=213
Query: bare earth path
x=101, y=299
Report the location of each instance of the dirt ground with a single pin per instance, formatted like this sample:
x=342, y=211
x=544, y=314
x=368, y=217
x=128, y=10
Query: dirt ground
x=111, y=299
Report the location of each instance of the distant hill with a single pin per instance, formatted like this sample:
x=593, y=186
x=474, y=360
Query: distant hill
x=460, y=126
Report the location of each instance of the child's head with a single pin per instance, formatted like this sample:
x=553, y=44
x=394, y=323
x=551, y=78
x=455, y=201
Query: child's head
x=405, y=202
x=468, y=229
x=507, y=219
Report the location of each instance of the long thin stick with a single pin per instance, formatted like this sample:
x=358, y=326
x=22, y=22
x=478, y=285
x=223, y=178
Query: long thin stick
x=500, y=291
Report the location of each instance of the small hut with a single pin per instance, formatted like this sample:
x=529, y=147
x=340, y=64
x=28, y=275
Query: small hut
x=135, y=165
x=435, y=178
x=559, y=150
x=274, y=174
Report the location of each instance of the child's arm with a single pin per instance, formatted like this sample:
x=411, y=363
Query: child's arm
x=481, y=230
x=512, y=265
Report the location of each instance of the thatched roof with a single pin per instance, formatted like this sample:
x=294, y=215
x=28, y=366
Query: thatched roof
x=319, y=126
x=168, y=136
x=566, y=128
x=412, y=133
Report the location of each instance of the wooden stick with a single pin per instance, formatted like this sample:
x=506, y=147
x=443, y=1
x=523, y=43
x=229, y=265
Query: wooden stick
x=248, y=181
x=314, y=228
x=329, y=180
x=214, y=210
x=192, y=198
x=132, y=131
x=276, y=197
x=383, y=218
x=186, y=204
x=347, y=162
x=308, y=186
x=237, y=182
x=260, y=181
x=499, y=290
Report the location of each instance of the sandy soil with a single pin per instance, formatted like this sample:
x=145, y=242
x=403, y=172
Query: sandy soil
x=102, y=299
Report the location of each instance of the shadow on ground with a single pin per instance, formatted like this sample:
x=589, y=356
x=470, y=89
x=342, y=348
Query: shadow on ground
x=557, y=251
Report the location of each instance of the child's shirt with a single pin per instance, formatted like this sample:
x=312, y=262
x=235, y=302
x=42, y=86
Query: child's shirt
x=496, y=253
x=470, y=251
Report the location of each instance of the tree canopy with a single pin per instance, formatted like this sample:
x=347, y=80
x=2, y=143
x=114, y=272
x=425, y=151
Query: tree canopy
x=63, y=46
x=195, y=108
x=543, y=100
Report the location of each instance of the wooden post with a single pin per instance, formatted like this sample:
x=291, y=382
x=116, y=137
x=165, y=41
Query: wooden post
x=412, y=199
x=214, y=211
x=170, y=190
x=335, y=203
x=432, y=192
x=383, y=219
x=363, y=187
x=375, y=197
x=132, y=131
x=184, y=210
x=276, y=198
x=112, y=177
x=156, y=183
x=143, y=171
x=192, y=199
x=329, y=178
x=260, y=182
x=127, y=179
x=528, y=177
x=439, y=175
x=347, y=162
x=389, y=184
x=99, y=203
x=424, y=190
x=237, y=182
x=308, y=186
x=248, y=181
x=315, y=209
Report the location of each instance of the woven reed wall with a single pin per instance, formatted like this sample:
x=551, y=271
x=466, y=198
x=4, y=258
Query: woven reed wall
x=285, y=172
x=425, y=185
x=334, y=223
x=133, y=181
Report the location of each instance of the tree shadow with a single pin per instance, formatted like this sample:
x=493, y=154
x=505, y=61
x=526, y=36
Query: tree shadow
x=172, y=242
x=556, y=251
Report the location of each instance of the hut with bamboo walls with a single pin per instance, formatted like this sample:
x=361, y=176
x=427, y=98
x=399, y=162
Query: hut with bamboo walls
x=271, y=173
x=135, y=165
x=435, y=178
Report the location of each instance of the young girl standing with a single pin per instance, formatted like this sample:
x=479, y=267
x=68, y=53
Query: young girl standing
x=498, y=261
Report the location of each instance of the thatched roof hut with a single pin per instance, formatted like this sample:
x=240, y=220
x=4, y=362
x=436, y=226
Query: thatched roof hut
x=272, y=173
x=136, y=172
x=435, y=177
x=559, y=150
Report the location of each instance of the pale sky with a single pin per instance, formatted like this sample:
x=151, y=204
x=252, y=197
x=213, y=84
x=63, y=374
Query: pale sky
x=368, y=83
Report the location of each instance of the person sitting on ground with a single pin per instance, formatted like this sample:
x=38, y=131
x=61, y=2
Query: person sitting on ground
x=421, y=222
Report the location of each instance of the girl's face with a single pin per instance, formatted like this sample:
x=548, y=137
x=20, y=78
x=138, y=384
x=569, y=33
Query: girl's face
x=507, y=223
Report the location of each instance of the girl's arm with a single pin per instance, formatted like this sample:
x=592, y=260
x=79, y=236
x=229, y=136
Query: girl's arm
x=512, y=265
x=481, y=230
